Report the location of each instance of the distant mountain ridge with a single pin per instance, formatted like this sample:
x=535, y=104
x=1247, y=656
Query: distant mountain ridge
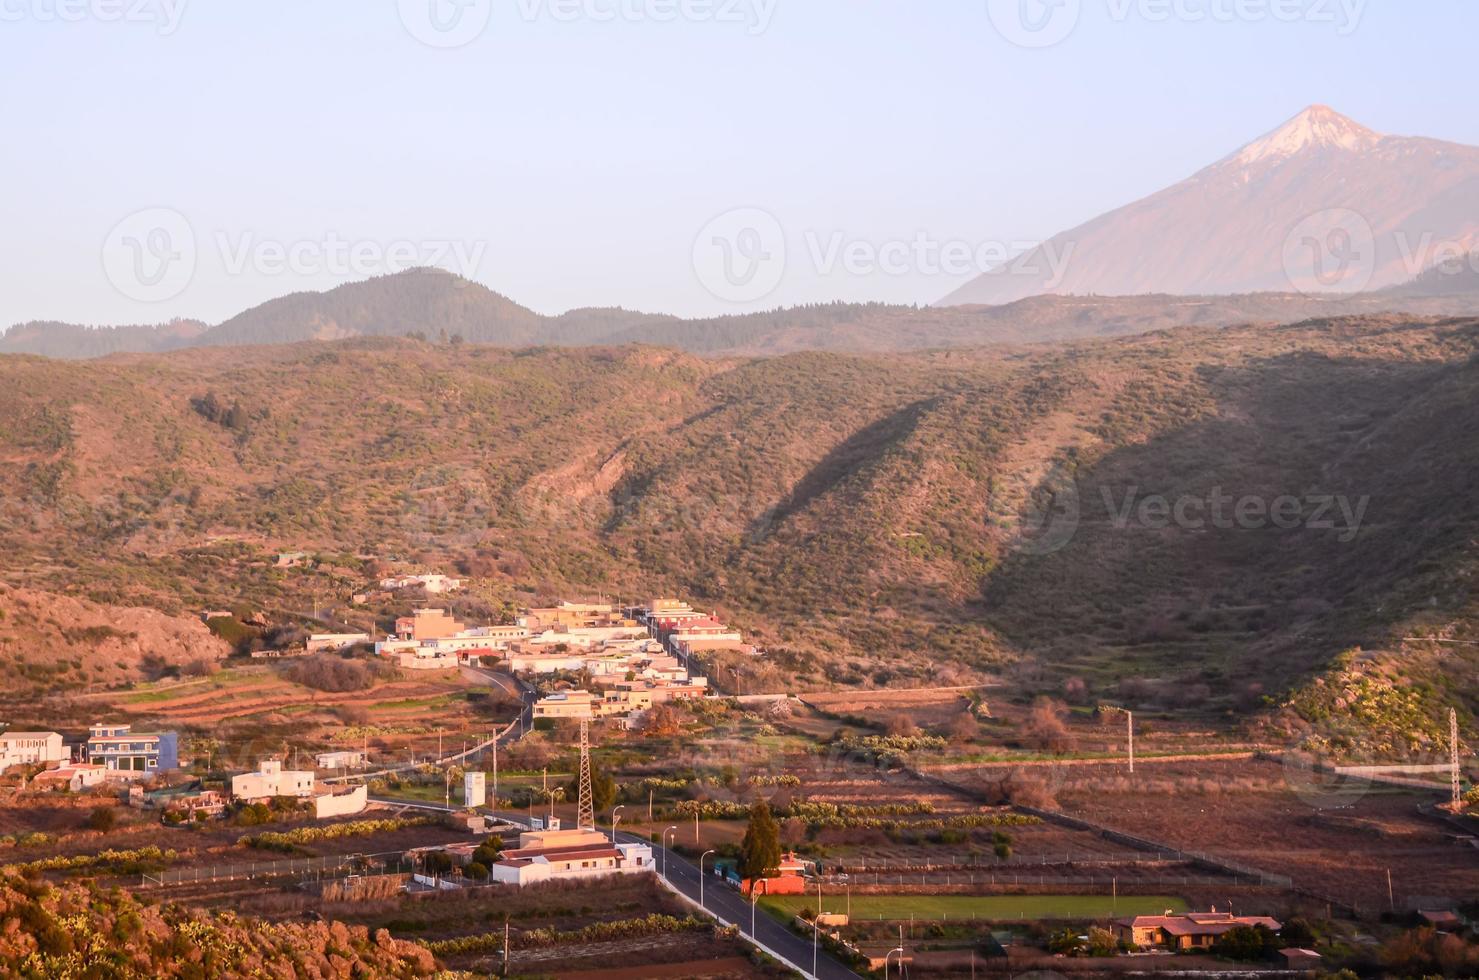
x=439, y=306
x=1240, y=225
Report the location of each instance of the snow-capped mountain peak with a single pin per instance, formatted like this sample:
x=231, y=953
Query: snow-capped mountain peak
x=1316, y=127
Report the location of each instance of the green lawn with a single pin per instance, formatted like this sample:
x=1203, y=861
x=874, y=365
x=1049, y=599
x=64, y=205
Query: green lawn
x=964, y=907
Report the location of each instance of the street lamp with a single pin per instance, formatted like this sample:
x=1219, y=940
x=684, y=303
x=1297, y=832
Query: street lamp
x=615, y=819
x=900, y=951
x=664, y=842
x=701, y=879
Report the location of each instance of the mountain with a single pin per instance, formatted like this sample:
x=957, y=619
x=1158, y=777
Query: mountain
x=1246, y=223
x=434, y=304
x=872, y=519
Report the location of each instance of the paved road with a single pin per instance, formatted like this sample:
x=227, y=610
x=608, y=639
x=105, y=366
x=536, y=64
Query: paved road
x=718, y=898
x=727, y=903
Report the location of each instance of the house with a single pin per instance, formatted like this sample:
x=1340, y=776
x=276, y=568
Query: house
x=572, y=615
x=272, y=780
x=340, y=760
x=431, y=584
x=74, y=777
x=1444, y=920
x=789, y=878
x=292, y=559
x=1296, y=958
x=32, y=749
x=334, y=642
x=1193, y=930
x=118, y=748
x=550, y=855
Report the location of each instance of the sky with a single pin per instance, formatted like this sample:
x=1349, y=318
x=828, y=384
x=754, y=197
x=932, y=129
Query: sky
x=193, y=158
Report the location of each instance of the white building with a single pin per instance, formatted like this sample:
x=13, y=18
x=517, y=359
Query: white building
x=334, y=642
x=32, y=749
x=474, y=788
x=548, y=855
x=432, y=584
x=272, y=780
x=340, y=760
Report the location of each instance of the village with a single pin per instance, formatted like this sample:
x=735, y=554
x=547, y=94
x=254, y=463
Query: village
x=830, y=835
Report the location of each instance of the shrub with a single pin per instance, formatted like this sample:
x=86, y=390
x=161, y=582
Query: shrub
x=102, y=818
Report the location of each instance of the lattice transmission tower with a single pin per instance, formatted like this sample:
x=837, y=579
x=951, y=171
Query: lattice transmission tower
x=585, y=817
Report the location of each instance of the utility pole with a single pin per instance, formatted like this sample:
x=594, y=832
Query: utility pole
x=1391, y=899
x=505, y=947
x=1130, y=738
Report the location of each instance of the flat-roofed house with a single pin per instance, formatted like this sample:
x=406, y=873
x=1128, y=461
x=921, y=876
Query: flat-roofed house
x=272, y=780
x=120, y=749
x=32, y=749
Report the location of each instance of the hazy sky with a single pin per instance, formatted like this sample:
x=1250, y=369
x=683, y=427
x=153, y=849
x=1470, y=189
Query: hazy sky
x=573, y=152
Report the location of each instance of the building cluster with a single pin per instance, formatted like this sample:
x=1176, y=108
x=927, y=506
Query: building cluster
x=635, y=656
x=118, y=754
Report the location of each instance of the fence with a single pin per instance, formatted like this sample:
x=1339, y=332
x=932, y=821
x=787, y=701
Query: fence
x=1010, y=878
x=286, y=868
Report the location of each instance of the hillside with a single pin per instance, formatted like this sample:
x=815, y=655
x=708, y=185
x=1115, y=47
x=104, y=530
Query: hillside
x=47, y=639
x=442, y=307
x=81, y=930
x=873, y=520
x=1252, y=221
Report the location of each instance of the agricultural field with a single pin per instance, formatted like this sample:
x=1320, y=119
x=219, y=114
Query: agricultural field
x=1335, y=841
x=236, y=715
x=974, y=908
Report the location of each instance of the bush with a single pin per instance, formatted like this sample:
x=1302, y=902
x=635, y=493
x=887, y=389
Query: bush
x=101, y=818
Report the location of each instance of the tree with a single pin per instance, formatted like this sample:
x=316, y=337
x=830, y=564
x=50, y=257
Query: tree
x=603, y=789
x=1044, y=727
x=760, y=850
x=1246, y=943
